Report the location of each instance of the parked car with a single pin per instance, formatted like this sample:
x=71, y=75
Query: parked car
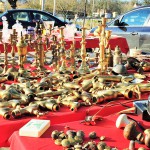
x=28, y=17
x=134, y=26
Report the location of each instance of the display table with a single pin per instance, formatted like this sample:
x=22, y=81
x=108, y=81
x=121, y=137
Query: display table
x=106, y=127
x=64, y=115
x=91, y=42
x=9, y=128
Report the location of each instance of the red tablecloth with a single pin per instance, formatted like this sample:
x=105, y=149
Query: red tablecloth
x=64, y=115
x=114, y=137
x=91, y=42
x=106, y=127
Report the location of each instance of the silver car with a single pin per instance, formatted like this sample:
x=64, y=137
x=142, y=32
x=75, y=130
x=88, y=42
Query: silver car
x=134, y=26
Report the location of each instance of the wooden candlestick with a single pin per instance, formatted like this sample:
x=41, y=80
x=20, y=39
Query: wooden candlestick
x=83, y=69
x=63, y=67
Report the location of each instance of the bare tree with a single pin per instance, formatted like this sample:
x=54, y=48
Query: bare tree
x=33, y=4
x=65, y=7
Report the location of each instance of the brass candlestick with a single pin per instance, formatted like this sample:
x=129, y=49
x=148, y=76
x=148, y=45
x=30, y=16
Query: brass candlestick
x=83, y=69
x=53, y=48
x=98, y=31
x=28, y=41
x=62, y=51
x=46, y=42
x=35, y=47
x=55, y=60
x=5, y=57
x=41, y=54
x=58, y=56
x=22, y=51
x=104, y=40
x=5, y=45
x=102, y=46
x=72, y=56
x=13, y=40
x=107, y=37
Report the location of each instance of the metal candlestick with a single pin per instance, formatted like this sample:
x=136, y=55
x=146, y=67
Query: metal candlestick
x=58, y=56
x=104, y=39
x=35, y=47
x=41, y=54
x=53, y=48
x=107, y=37
x=83, y=69
x=22, y=51
x=62, y=51
x=5, y=57
x=46, y=42
x=55, y=53
x=5, y=45
x=13, y=40
x=72, y=56
x=27, y=39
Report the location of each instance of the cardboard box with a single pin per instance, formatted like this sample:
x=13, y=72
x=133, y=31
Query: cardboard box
x=34, y=128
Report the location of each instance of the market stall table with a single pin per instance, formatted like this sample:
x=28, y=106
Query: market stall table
x=91, y=42
x=64, y=115
x=106, y=127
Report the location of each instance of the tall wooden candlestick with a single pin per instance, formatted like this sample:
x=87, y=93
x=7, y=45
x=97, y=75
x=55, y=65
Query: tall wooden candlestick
x=13, y=40
x=63, y=67
x=103, y=38
x=5, y=57
x=41, y=54
x=83, y=69
x=72, y=56
x=5, y=45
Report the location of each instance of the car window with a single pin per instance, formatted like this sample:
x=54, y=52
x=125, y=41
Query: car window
x=21, y=16
x=43, y=17
x=148, y=21
x=135, y=18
